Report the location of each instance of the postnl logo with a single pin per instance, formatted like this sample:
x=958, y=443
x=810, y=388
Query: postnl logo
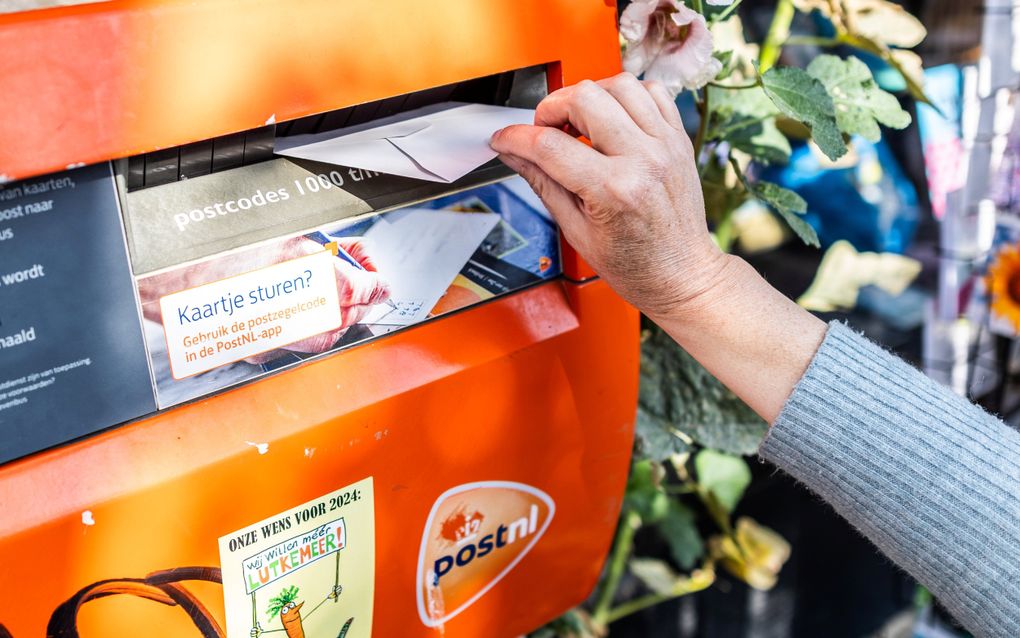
x=475, y=534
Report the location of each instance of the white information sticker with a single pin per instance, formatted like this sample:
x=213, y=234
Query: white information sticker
x=308, y=571
x=239, y=317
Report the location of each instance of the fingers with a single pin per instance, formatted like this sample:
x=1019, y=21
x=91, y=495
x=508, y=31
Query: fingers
x=570, y=163
x=357, y=248
x=593, y=112
x=357, y=287
x=637, y=100
x=354, y=314
x=665, y=103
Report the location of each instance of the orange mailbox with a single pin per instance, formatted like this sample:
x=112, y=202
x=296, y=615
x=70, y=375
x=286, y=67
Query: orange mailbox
x=246, y=389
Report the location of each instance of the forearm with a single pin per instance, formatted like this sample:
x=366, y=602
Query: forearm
x=931, y=479
x=748, y=335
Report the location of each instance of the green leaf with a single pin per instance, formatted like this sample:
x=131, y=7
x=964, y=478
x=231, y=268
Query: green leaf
x=897, y=59
x=750, y=101
x=860, y=104
x=790, y=206
x=644, y=494
x=655, y=574
x=734, y=437
x=726, y=59
x=745, y=118
x=656, y=439
x=803, y=98
x=680, y=403
x=758, y=138
x=681, y=534
x=723, y=475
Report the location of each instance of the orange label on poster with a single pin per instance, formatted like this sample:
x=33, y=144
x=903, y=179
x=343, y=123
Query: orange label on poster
x=476, y=533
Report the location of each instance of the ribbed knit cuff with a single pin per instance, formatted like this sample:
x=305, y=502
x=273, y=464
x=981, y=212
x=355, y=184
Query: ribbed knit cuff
x=931, y=479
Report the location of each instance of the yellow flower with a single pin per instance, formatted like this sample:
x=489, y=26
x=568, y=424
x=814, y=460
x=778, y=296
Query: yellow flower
x=1003, y=282
x=753, y=553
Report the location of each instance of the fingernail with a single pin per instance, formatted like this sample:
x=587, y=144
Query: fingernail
x=495, y=135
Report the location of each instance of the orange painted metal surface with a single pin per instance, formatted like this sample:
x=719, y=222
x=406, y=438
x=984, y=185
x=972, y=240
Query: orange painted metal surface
x=100, y=81
x=538, y=387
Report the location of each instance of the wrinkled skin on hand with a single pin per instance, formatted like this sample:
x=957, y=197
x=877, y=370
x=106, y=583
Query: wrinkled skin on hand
x=358, y=290
x=631, y=203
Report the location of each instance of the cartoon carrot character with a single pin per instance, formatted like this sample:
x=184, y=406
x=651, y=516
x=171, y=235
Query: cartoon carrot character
x=289, y=611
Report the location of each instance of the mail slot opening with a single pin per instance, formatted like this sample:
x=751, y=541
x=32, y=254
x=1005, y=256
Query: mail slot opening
x=522, y=88
x=256, y=268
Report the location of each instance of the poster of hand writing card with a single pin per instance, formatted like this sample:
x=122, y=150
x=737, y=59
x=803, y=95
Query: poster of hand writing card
x=308, y=572
x=213, y=323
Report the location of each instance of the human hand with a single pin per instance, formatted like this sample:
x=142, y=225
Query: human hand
x=631, y=203
x=358, y=290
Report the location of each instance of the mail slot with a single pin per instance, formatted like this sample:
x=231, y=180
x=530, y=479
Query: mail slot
x=249, y=388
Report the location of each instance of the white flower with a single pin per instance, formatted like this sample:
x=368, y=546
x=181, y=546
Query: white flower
x=669, y=43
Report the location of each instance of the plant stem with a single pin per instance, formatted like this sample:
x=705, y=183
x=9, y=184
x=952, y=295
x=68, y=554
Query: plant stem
x=681, y=489
x=735, y=87
x=717, y=512
x=704, y=108
x=724, y=233
x=740, y=174
x=637, y=604
x=810, y=40
x=699, y=7
x=622, y=544
x=694, y=583
x=778, y=32
x=727, y=12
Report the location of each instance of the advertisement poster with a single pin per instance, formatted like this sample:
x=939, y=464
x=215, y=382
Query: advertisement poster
x=308, y=572
x=217, y=322
x=72, y=358
x=248, y=315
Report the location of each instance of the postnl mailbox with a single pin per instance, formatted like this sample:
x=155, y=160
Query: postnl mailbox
x=250, y=390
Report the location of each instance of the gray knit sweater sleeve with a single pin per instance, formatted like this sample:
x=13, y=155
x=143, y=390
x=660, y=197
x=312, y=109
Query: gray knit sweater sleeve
x=930, y=478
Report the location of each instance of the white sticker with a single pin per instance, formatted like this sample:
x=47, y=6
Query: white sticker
x=309, y=571
x=239, y=317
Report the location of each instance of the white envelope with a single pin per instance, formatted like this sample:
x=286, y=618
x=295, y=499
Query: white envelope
x=439, y=143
